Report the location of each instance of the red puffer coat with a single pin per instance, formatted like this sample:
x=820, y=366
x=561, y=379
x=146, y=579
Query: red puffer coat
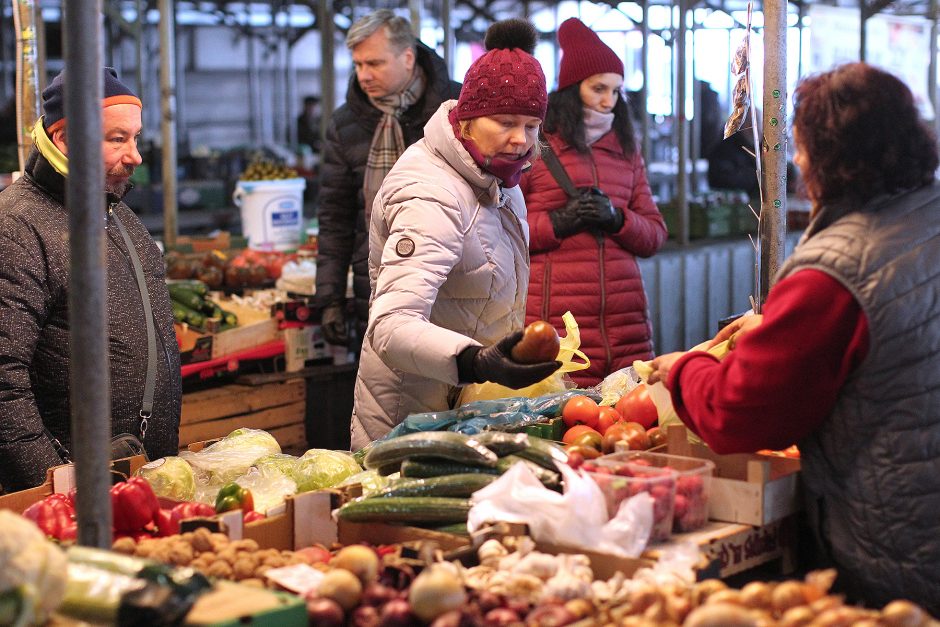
x=594, y=276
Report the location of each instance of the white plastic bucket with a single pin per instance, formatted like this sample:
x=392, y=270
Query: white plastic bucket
x=272, y=212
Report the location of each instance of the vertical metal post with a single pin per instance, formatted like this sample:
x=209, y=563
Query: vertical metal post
x=681, y=125
x=168, y=119
x=773, y=221
x=254, y=108
x=644, y=91
x=862, y=30
x=27, y=77
x=327, y=72
x=414, y=8
x=448, y=36
x=89, y=374
x=932, y=66
x=139, y=29
x=695, y=129
x=800, y=10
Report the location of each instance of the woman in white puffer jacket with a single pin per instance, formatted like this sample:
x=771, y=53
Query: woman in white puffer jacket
x=448, y=246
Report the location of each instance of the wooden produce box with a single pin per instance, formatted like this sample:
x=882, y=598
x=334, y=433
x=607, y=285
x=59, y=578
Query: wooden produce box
x=278, y=408
x=750, y=489
x=255, y=327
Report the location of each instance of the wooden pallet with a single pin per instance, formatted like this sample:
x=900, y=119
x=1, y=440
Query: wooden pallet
x=278, y=408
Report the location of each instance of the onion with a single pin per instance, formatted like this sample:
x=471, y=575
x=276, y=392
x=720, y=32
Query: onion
x=341, y=586
x=360, y=560
x=500, y=617
x=902, y=614
x=436, y=591
x=325, y=612
x=549, y=615
x=365, y=616
x=377, y=595
x=396, y=613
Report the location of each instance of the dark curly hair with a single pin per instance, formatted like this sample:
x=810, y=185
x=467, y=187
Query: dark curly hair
x=860, y=131
x=565, y=118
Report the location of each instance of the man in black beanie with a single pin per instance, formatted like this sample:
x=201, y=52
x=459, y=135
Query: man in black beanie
x=34, y=286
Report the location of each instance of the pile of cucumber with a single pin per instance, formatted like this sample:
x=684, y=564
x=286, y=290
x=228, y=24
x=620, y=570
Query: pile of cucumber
x=439, y=470
x=191, y=305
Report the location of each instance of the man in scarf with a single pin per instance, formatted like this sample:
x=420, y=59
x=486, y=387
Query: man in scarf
x=398, y=85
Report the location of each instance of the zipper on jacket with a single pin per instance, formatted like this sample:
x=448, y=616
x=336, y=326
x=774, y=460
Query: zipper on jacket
x=546, y=290
x=602, y=318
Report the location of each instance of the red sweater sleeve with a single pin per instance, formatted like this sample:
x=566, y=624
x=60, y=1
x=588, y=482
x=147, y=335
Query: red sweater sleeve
x=782, y=379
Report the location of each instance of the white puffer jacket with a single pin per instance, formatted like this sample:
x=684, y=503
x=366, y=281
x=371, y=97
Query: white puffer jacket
x=449, y=266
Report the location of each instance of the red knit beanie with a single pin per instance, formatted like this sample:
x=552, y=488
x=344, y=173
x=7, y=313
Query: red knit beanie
x=507, y=79
x=583, y=54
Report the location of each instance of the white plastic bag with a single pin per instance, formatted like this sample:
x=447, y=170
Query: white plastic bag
x=577, y=518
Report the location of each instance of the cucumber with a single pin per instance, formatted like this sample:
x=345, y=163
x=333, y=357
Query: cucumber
x=421, y=468
x=190, y=316
x=404, y=509
x=543, y=453
x=549, y=478
x=179, y=311
x=447, y=444
x=195, y=286
x=503, y=443
x=228, y=318
x=462, y=485
x=186, y=296
x=456, y=529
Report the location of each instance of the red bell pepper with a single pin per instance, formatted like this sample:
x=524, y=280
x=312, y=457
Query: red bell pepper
x=55, y=516
x=252, y=516
x=193, y=510
x=134, y=504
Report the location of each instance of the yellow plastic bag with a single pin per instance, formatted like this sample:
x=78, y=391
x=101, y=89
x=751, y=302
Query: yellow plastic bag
x=568, y=351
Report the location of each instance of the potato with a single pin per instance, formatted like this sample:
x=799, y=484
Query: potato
x=539, y=344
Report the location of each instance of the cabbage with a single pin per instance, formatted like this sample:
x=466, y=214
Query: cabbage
x=171, y=478
x=248, y=438
x=370, y=481
x=322, y=468
x=228, y=459
x=281, y=462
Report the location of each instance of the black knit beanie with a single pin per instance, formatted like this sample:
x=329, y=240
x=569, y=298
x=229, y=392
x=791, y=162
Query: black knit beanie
x=53, y=98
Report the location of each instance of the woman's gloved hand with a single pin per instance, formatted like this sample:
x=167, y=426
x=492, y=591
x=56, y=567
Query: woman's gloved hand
x=567, y=220
x=476, y=364
x=595, y=210
x=333, y=325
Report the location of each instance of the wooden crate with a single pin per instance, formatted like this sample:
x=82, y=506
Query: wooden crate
x=278, y=408
x=750, y=489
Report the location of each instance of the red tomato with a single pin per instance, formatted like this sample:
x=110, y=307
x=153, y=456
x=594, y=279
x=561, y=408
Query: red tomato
x=637, y=406
x=575, y=432
x=607, y=417
x=580, y=410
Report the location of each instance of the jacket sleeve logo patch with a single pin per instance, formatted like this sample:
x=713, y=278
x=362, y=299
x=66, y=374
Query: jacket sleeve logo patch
x=405, y=247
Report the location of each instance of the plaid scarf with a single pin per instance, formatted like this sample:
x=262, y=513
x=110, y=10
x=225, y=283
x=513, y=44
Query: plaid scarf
x=388, y=142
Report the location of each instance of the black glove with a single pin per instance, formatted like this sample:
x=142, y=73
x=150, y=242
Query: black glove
x=333, y=325
x=567, y=220
x=595, y=210
x=476, y=364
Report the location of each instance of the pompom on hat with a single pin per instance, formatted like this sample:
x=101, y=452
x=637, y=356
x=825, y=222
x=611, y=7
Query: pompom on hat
x=53, y=98
x=583, y=54
x=507, y=79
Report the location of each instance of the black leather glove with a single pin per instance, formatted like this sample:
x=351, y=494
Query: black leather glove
x=476, y=364
x=333, y=325
x=567, y=220
x=595, y=210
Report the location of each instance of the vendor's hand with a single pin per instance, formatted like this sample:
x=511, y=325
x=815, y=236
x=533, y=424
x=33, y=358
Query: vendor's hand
x=494, y=363
x=661, y=367
x=333, y=325
x=738, y=329
x=567, y=220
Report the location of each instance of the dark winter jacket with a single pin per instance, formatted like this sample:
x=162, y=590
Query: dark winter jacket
x=344, y=236
x=34, y=329
x=594, y=276
x=872, y=470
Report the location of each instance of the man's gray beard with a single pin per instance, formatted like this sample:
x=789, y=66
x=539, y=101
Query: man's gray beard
x=118, y=189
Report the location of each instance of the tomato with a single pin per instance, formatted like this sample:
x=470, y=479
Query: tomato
x=539, y=344
x=657, y=436
x=590, y=439
x=580, y=410
x=637, y=406
x=607, y=417
x=575, y=432
x=586, y=452
x=615, y=433
x=636, y=436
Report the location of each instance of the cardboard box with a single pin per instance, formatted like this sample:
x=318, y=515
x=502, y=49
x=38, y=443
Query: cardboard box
x=278, y=407
x=61, y=479
x=750, y=489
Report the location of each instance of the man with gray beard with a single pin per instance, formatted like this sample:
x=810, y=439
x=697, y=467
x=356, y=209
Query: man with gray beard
x=34, y=293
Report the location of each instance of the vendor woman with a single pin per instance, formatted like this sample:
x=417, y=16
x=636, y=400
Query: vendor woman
x=448, y=246
x=845, y=359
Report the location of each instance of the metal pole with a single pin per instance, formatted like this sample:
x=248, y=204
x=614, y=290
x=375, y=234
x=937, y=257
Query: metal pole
x=682, y=139
x=27, y=77
x=644, y=92
x=168, y=119
x=139, y=29
x=799, y=24
x=254, y=104
x=327, y=72
x=773, y=220
x=932, y=67
x=89, y=375
x=695, y=129
x=862, y=35
x=448, y=36
x=414, y=8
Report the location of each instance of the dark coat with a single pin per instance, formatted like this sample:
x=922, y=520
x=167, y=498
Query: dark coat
x=344, y=236
x=34, y=329
x=594, y=276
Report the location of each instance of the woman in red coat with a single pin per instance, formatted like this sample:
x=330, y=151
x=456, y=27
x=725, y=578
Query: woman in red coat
x=584, y=250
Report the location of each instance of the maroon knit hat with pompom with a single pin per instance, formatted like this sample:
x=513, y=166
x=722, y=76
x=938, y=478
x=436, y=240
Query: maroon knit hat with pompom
x=507, y=79
x=583, y=54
